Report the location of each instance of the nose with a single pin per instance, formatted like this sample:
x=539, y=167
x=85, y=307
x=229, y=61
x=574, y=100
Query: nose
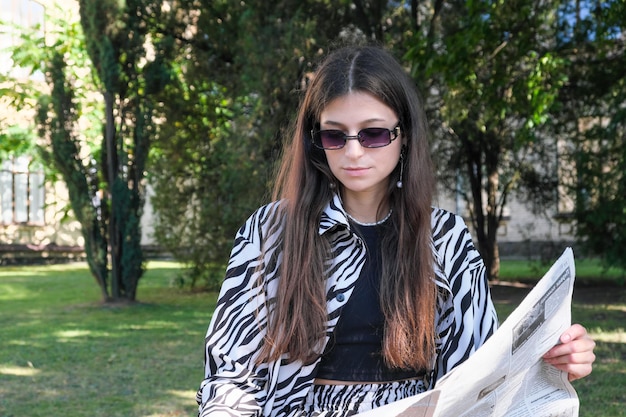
x=353, y=148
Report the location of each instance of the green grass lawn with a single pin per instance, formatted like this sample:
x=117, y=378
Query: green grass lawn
x=63, y=353
x=603, y=393
x=588, y=272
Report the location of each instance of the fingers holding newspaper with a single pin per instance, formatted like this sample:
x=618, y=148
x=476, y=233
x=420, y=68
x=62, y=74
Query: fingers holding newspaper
x=574, y=354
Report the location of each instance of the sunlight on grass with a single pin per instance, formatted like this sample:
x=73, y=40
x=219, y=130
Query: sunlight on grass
x=14, y=292
x=149, y=325
x=618, y=336
x=185, y=395
x=184, y=398
x=19, y=370
x=164, y=265
x=18, y=343
x=69, y=334
x=36, y=270
x=10, y=272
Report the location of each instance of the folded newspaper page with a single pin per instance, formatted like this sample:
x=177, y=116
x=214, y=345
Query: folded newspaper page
x=507, y=376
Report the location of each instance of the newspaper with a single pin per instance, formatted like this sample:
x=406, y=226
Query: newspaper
x=507, y=376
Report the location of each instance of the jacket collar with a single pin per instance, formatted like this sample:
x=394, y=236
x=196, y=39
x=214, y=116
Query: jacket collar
x=333, y=216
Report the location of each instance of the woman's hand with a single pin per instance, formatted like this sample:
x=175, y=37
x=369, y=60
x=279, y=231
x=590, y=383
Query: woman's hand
x=574, y=354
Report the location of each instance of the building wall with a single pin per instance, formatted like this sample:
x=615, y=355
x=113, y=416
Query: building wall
x=522, y=234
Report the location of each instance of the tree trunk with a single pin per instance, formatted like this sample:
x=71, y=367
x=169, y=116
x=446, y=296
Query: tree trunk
x=112, y=174
x=493, y=218
x=485, y=218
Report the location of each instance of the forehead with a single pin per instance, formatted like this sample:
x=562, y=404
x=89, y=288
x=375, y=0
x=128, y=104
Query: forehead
x=356, y=107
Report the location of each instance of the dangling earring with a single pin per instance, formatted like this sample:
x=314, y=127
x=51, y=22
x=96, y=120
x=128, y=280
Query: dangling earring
x=399, y=183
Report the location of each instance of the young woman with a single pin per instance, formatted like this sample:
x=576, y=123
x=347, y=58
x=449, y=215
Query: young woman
x=350, y=290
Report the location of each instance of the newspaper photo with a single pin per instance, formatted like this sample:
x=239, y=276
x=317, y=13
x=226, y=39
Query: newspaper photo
x=507, y=376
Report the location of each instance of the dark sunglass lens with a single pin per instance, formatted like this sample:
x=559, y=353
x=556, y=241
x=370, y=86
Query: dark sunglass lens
x=332, y=139
x=375, y=137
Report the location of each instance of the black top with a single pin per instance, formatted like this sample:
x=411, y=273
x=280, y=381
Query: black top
x=354, y=351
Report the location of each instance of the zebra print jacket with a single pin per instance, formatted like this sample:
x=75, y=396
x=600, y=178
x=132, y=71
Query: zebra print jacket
x=235, y=386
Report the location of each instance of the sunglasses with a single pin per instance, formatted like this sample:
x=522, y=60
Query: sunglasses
x=371, y=137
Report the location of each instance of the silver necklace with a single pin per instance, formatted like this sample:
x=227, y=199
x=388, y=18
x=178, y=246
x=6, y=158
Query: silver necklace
x=379, y=222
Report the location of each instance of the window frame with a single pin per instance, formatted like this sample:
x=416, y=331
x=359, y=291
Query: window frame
x=26, y=200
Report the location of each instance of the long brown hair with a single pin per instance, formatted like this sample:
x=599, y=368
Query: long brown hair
x=305, y=186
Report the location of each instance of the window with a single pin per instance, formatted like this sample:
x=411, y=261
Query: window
x=27, y=13
x=21, y=192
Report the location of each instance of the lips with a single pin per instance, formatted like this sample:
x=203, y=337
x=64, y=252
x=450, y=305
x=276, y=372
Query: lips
x=355, y=170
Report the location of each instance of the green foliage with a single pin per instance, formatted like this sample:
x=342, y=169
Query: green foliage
x=59, y=113
x=595, y=100
x=15, y=141
x=131, y=45
x=206, y=179
x=494, y=66
x=601, y=202
x=212, y=161
x=58, y=119
x=200, y=95
x=494, y=79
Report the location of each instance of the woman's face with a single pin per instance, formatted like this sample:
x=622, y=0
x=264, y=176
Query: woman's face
x=362, y=171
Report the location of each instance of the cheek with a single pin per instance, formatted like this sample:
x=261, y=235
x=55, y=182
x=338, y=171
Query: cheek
x=393, y=157
x=391, y=162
